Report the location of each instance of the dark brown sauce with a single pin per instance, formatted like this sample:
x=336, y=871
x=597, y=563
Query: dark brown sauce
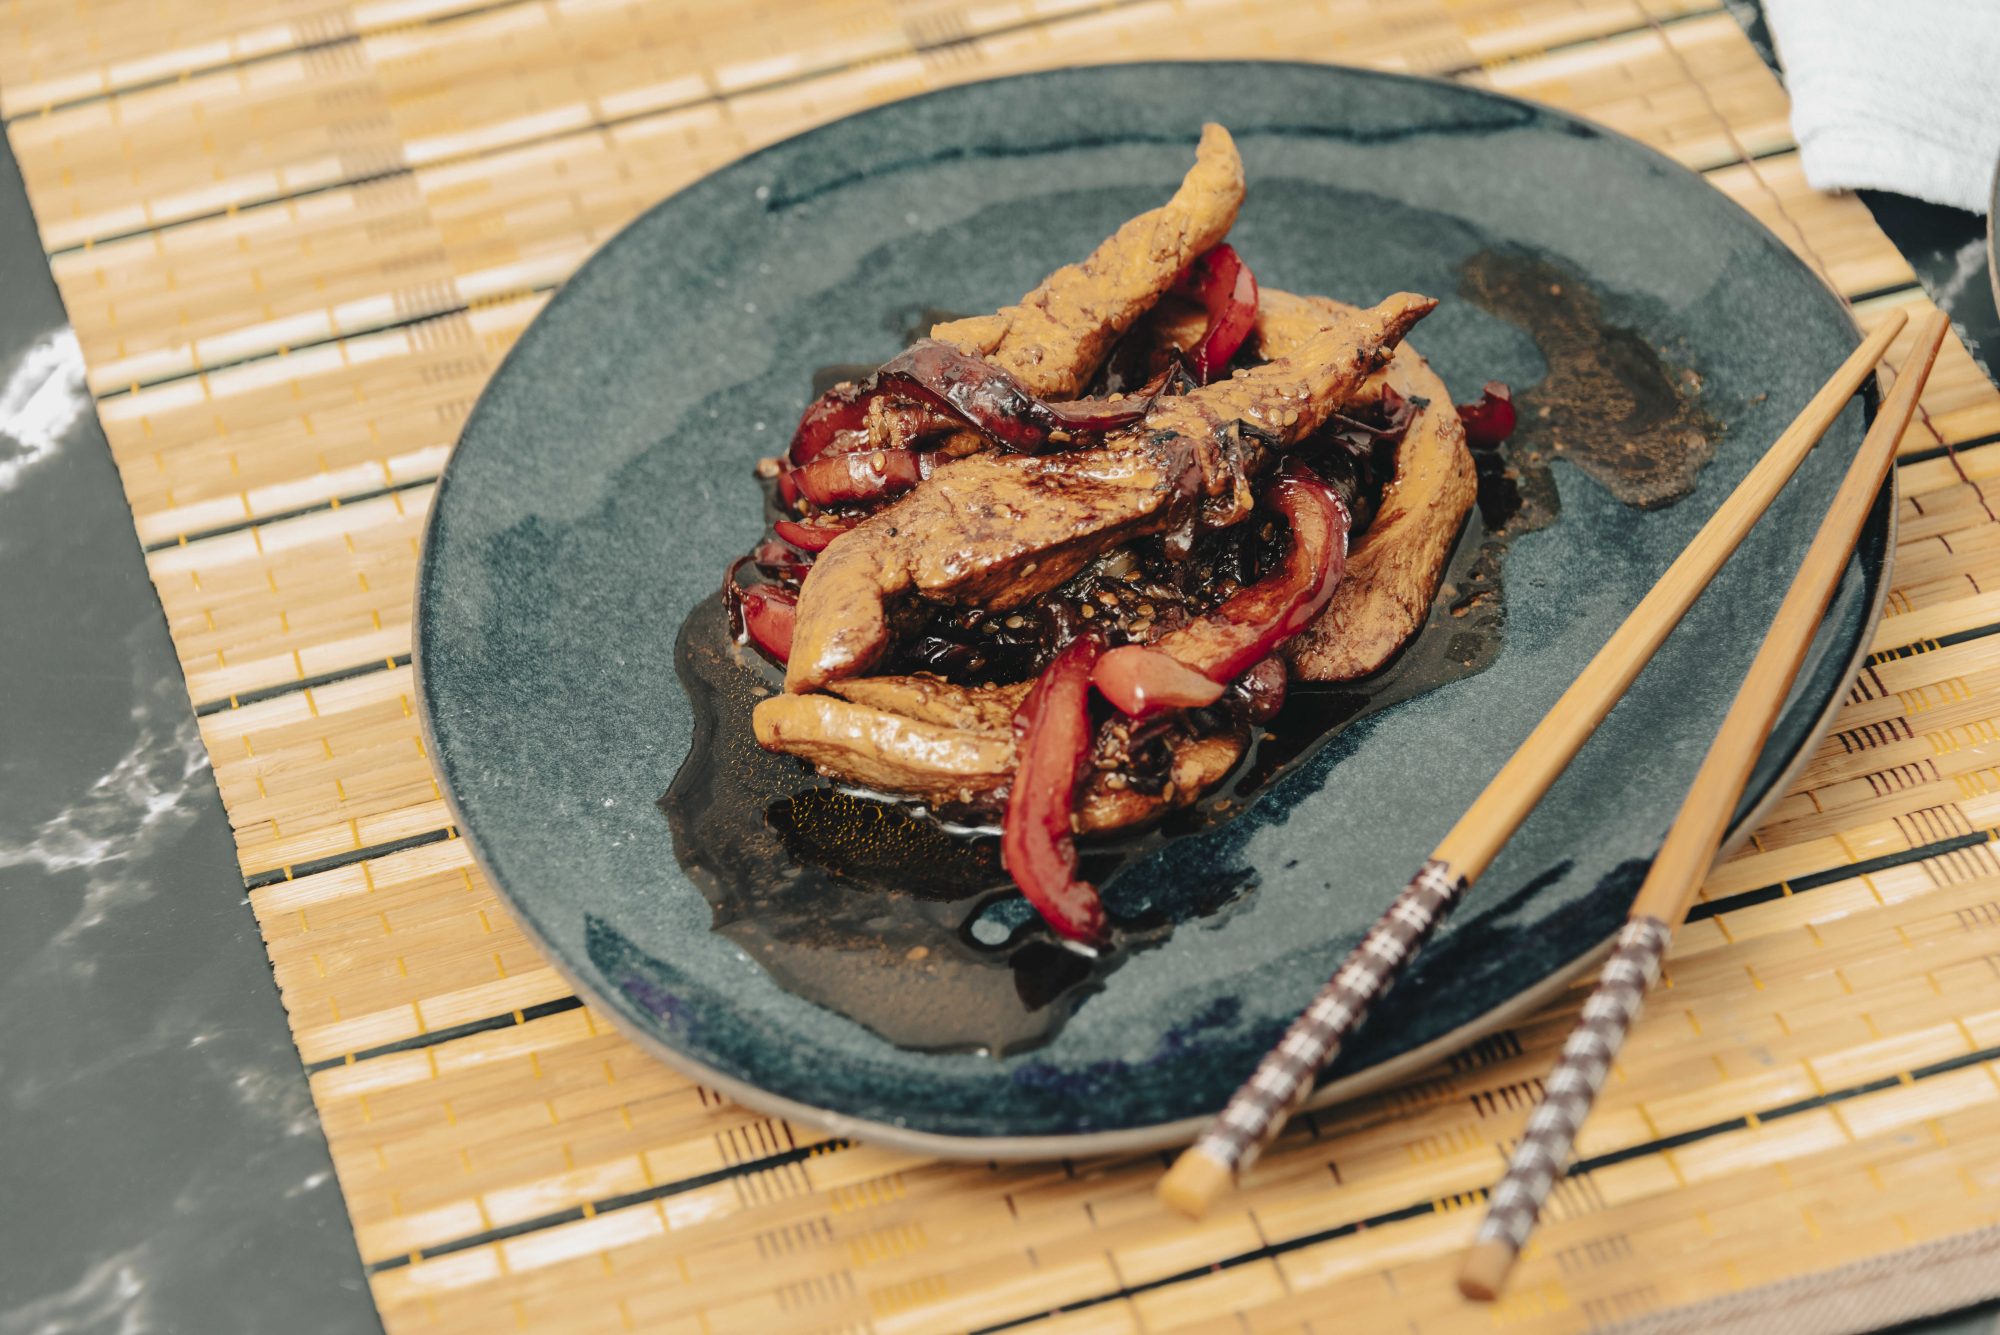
x=1612, y=403
x=876, y=910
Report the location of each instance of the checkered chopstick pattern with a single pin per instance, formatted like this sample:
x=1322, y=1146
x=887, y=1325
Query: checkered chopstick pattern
x=1538, y=1161
x=1284, y=1079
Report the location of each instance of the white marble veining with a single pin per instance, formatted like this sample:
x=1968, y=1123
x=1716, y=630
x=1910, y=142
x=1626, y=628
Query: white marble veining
x=42, y=399
x=122, y=817
x=1968, y=263
x=110, y=1296
x=161, y=1166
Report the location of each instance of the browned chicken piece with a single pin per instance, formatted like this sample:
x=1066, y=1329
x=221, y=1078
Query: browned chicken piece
x=993, y=529
x=930, y=699
x=1054, y=338
x=1393, y=572
x=998, y=530
x=1285, y=322
x=886, y=751
x=959, y=749
x=1237, y=422
x=1199, y=764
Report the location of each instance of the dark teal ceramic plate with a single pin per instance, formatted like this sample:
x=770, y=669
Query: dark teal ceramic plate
x=604, y=481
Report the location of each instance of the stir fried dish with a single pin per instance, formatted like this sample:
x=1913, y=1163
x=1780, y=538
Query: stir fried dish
x=1048, y=567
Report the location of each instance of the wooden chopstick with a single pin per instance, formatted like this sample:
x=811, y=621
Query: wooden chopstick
x=1667, y=893
x=1284, y=1078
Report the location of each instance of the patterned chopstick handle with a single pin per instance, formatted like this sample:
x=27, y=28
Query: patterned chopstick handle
x=1284, y=1079
x=1550, y=1136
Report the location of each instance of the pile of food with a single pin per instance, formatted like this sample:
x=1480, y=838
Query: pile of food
x=1051, y=565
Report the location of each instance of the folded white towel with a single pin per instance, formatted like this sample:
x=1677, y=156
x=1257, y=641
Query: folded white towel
x=1899, y=95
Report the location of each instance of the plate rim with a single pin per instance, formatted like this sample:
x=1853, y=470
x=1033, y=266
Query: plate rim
x=1155, y=1135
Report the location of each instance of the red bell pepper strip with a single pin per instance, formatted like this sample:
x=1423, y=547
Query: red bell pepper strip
x=862, y=475
x=775, y=558
x=1247, y=626
x=842, y=409
x=1224, y=285
x=1489, y=419
x=813, y=535
x=768, y=612
x=1141, y=681
x=1037, y=843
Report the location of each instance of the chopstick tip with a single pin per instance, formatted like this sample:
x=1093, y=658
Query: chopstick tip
x=1484, y=1272
x=1193, y=1183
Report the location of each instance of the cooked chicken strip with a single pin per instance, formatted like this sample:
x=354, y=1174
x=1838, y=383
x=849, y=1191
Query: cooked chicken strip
x=886, y=751
x=1236, y=422
x=1285, y=323
x=1053, y=339
x=993, y=529
x=933, y=760
x=1199, y=764
x=930, y=699
x=998, y=530
x=1393, y=572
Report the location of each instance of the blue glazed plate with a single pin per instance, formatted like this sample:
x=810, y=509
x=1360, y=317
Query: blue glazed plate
x=604, y=481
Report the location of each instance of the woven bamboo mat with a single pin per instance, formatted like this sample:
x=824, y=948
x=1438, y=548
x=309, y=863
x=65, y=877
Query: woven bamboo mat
x=295, y=237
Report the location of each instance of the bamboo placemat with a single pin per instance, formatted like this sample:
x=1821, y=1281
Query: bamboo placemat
x=295, y=237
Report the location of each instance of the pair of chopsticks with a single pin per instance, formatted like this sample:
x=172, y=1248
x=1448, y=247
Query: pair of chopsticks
x=1668, y=892
x=1284, y=1079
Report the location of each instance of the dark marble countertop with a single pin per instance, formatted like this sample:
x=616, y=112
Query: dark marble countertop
x=161, y=1166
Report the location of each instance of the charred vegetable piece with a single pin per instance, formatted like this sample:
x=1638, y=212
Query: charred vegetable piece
x=775, y=558
x=842, y=409
x=1141, y=681
x=1227, y=290
x=1360, y=438
x=768, y=612
x=1248, y=626
x=844, y=479
x=960, y=388
x=994, y=403
x=1052, y=739
x=1489, y=419
x=813, y=536
x=1263, y=689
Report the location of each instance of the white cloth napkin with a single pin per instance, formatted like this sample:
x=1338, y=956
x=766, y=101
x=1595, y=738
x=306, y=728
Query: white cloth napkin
x=1899, y=95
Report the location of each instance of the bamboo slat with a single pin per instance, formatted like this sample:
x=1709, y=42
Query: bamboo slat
x=296, y=238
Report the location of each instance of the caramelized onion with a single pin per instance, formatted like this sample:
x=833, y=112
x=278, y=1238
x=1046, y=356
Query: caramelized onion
x=961, y=388
x=860, y=475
